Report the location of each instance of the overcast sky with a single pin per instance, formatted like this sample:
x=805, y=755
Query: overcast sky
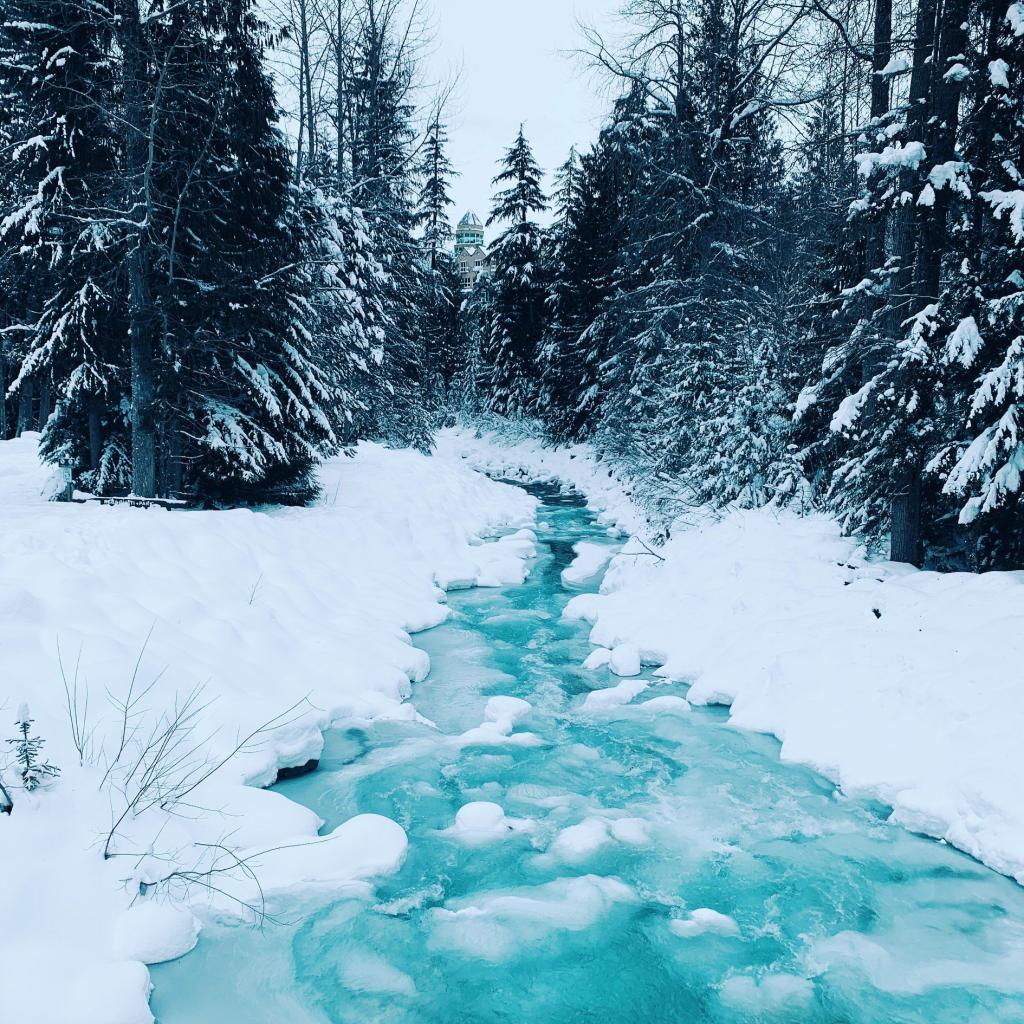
x=514, y=69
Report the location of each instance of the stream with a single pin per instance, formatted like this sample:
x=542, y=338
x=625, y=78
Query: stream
x=655, y=864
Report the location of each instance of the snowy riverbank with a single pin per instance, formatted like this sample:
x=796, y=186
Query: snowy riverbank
x=261, y=610
x=900, y=685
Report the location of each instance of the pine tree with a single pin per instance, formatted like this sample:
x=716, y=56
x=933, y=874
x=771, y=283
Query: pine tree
x=243, y=408
x=981, y=318
x=441, y=292
x=27, y=749
x=517, y=317
x=64, y=286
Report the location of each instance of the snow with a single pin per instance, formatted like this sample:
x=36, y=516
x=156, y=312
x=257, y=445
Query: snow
x=598, y=658
x=898, y=156
x=897, y=65
x=964, y=344
x=1010, y=202
x=614, y=696
x=1015, y=17
x=894, y=683
x=998, y=71
x=310, y=609
x=578, y=843
x=501, y=716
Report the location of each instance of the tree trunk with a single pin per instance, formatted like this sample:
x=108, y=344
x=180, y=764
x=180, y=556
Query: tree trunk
x=3, y=391
x=951, y=44
x=905, y=544
x=905, y=503
x=140, y=303
x=875, y=243
x=44, y=404
x=95, y=434
x=26, y=401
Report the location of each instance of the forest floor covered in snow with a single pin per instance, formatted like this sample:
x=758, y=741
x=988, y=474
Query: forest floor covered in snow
x=900, y=685
x=226, y=620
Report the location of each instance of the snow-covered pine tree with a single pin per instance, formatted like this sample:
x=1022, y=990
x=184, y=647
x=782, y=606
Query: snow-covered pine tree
x=700, y=220
x=64, y=290
x=517, y=313
x=890, y=423
x=586, y=242
x=981, y=319
x=377, y=146
x=441, y=293
x=243, y=408
x=32, y=770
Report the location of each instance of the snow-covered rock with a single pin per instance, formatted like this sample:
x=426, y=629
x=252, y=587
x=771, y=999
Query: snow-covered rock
x=484, y=822
x=614, y=696
x=588, y=564
x=154, y=932
x=598, y=658
x=625, y=660
x=501, y=715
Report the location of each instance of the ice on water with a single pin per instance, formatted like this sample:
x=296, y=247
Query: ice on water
x=633, y=862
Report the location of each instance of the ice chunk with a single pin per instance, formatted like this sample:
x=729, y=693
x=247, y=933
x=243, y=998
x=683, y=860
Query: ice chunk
x=505, y=712
x=768, y=994
x=494, y=926
x=597, y=659
x=667, y=704
x=704, y=920
x=631, y=831
x=365, y=972
x=500, y=717
x=577, y=843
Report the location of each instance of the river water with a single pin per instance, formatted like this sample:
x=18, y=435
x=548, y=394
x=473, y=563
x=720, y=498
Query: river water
x=592, y=900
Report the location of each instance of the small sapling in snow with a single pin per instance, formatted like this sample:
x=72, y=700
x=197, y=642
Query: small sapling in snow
x=34, y=771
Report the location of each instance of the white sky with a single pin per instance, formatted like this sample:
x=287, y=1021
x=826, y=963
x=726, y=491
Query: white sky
x=514, y=69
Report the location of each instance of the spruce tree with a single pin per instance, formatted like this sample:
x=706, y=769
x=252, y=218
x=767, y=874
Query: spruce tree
x=65, y=290
x=517, y=318
x=981, y=313
x=441, y=291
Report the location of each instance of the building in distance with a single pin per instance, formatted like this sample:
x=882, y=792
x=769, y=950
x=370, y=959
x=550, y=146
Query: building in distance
x=471, y=252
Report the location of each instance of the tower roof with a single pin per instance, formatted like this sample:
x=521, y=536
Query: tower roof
x=470, y=220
